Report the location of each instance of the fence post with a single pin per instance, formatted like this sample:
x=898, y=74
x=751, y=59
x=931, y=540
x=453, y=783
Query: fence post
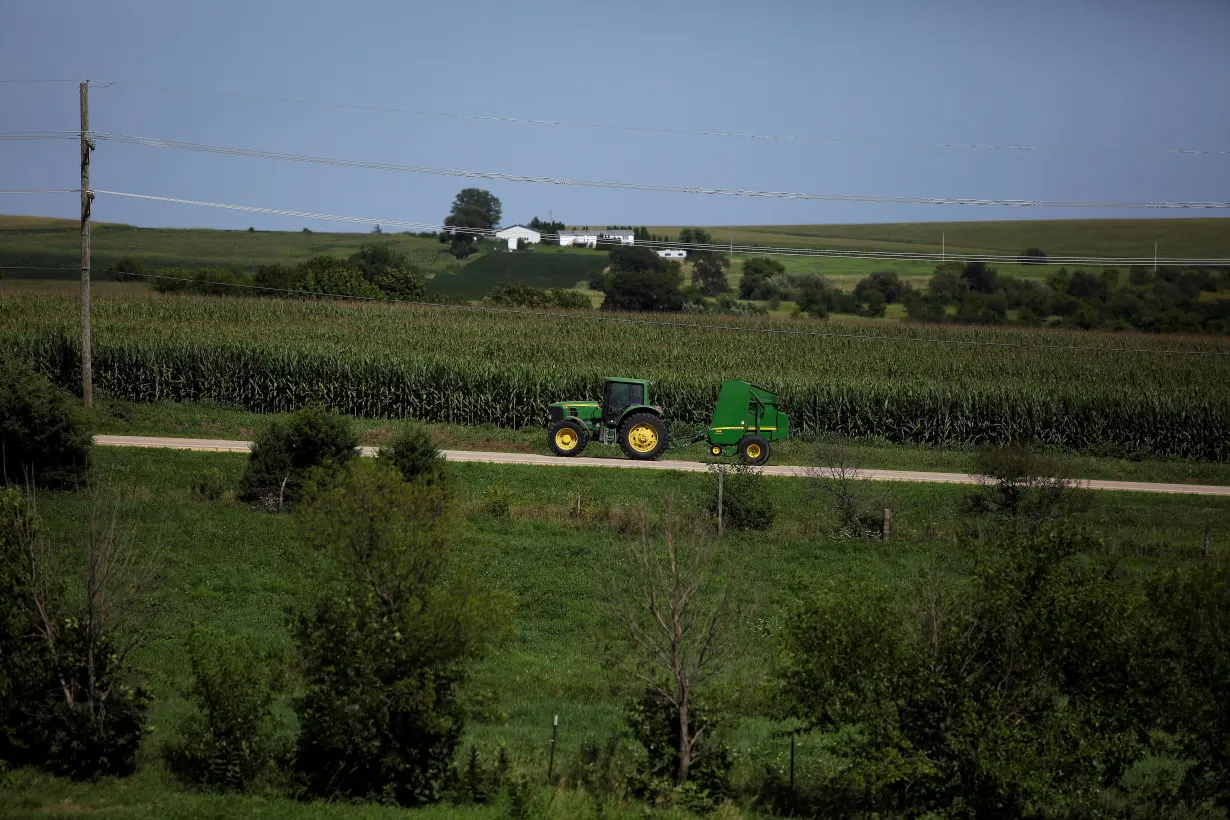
x=554, y=735
x=887, y=526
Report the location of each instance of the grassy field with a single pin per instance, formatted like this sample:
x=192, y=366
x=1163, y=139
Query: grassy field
x=212, y=421
x=545, y=267
x=54, y=243
x=1188, y=238
x=38, y=241
x=1106, y=394
x=238, y=570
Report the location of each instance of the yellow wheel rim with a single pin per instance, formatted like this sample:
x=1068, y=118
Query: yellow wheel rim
x=643, y=438
x=717, y=451
x=753, y=451
x=566, y=438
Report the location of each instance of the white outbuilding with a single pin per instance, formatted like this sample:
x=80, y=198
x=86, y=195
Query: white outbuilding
x=673, y=253
x=591, y=237
x=515, y=234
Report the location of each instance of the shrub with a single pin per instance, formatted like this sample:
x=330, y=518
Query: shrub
x=415, y=456
x=127, y=270
x=210, y=484
x=66, y=700
x=289, y=453
x=746, y=503
x=497, y=501
x=654, y=723
x=1014, y=693
x=45, y=437
x=383, y=650
x=228, y=742
x=568, y=299
x=1021, y=486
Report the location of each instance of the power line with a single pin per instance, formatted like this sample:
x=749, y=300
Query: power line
x=740, y=249
x=688, y=325
x=632, y=186
x=634, y=128
x=44, y=191
x=8, y=136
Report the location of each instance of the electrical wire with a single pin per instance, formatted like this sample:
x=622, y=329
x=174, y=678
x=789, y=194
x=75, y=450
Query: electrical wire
x=632, y=186
x=43, y=191
x=10, y=136
x=689, y=325
x=633, y=128
x=711, y=246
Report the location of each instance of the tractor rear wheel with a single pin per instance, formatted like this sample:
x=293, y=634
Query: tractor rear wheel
x=754, y=450
x=642, y=436
x=567, y=438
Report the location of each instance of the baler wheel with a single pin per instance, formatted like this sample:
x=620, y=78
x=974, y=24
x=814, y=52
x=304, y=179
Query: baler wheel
x=754, y=450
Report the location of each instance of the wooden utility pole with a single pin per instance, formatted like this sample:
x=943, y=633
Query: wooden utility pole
x=87, y=197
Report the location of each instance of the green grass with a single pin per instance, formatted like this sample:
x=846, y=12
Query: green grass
x=55, y=243
x=211, y=421
x=1188, y=238
x=544, y=267
x=240, y=570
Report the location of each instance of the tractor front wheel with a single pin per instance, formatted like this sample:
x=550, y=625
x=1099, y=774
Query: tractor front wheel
x=754, y=450
x=642, y=436
x=567, y=438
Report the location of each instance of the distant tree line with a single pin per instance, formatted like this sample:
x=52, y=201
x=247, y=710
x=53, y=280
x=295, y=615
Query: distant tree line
x=1172, y=299
x=373, y=272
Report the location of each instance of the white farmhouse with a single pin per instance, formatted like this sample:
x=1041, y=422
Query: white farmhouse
x=591, y=237
x=673, y=253
x=519, y=233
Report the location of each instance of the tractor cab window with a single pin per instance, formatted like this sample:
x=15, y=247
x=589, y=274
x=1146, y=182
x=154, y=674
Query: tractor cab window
x=620, y=395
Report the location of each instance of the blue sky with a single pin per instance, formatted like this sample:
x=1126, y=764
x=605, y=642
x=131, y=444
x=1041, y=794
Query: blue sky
x=1102, y=89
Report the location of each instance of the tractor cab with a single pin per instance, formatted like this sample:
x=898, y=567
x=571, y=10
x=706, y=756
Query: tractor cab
x=623, y=417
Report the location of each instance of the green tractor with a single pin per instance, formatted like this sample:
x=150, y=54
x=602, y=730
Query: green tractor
x=745, y=420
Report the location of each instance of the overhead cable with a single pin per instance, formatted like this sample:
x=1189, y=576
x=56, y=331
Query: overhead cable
x=632, y=186
x=634, y=128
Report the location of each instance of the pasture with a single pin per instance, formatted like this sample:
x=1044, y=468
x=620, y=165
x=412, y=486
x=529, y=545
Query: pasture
x=243, y=571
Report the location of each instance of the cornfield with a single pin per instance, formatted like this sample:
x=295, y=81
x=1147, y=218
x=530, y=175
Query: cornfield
x=927, y=385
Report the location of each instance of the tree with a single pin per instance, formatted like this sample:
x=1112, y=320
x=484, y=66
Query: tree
x=757, y=271
x=481, y=204
x=1012, y=694
x=385, y=646
x=1022, y=487
x=647, y=290
x=549, y=230
x=980, y=276
x=45, y=437
x=1033, y=256
x=474, y=212
x=640, y=280
x=413, y=453
x=678, y=619
x=288, y=454
x=709, y=271
x=72, y=705
x=695, y=236
x=329, y=276
x=815, y=296
x=389, y=271
x=887, y=283
x=129, y=269
x=874, y=304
